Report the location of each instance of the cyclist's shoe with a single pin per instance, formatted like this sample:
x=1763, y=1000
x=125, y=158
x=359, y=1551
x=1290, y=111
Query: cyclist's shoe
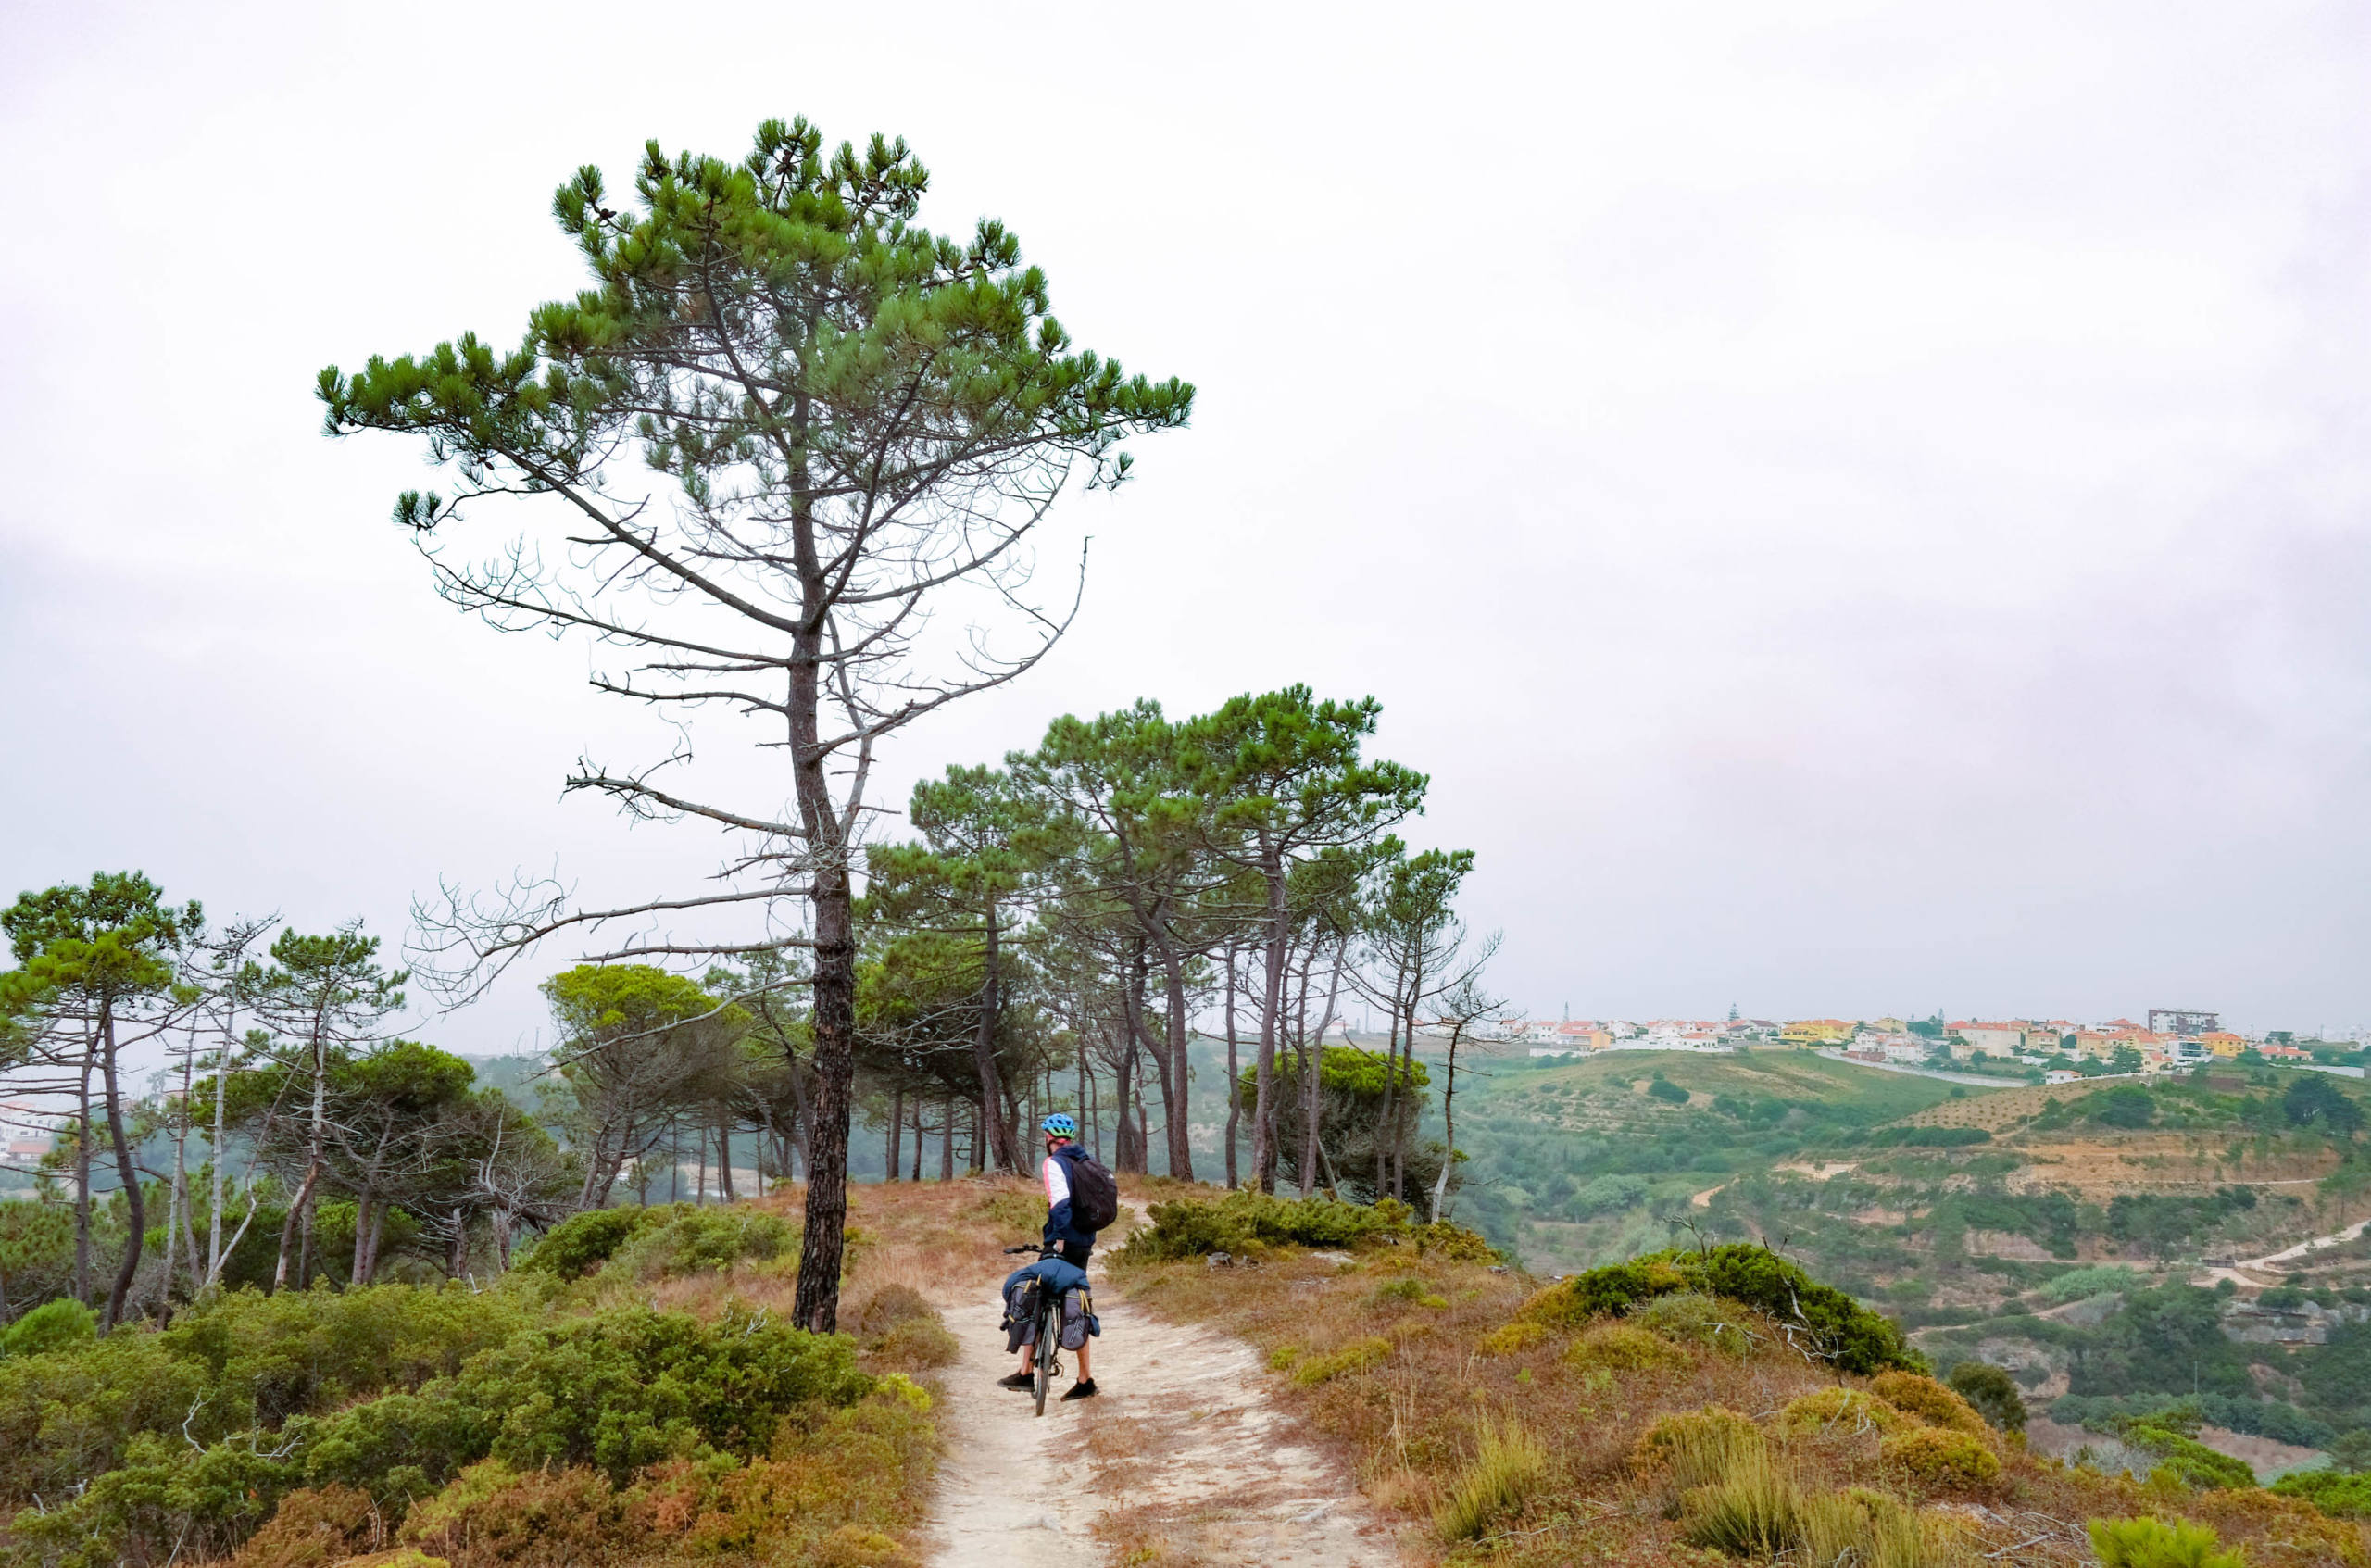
x=1018, y=1380
x=1081, y=1390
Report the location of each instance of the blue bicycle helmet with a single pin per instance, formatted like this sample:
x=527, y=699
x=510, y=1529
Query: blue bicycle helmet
x=1059, y=1124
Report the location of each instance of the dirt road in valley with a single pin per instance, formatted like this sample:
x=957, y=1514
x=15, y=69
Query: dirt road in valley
x=2271, y=1261
x=1184, y=1446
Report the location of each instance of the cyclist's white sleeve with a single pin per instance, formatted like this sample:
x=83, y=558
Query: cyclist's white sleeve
x=1058, y=1182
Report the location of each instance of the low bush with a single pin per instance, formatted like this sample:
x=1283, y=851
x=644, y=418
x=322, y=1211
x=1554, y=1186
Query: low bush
x=53, y=1325
x=1691, y=1317
x=1400, y=1291
x=2154, y=1543
x=1841, y=1409
x=314, y=1527
x=1243, y=1220
x=2338, y=1494
x=1940, y=1459
x=1916, y=1394
x=2098, y=1279
x=615, y=1391
x=1696, y=1447
x=1620, y=1347
x=1513, y=1338
x=581, y=1242
x=2185, y=1460
x=685, y=1239
x=1840, y=1329
x=1991, y=1393
x=539, y=1519
x=1442, y=1239
x=1509, y=1467
x=1310, y=1370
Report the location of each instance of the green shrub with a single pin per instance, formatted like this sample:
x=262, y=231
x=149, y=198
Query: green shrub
x=1620, y=1347
x=1841, y=1409
x=1455, y=1243
x=1354, y=1357
x=1696, y=1447
x=2154, y=1543
x=1858, y=1528
x=1916, y=1394
x=1852, y=1338
x=2099, y=1279
x=2184, y=1458
x=583, y=1241
x=616, y=1390
x=685, y=1239
x=1691, y=1317
x=2340, y=1495
x=53, y=1325
x=1408, y=1291
x=1509, y=1467
x=1191, y=1227
x=1993, y=1393
x=1513, y=1338
x=1939, y=1458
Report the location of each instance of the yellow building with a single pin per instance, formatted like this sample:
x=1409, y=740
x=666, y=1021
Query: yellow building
x=1817, y=1032
x=2224, y=1043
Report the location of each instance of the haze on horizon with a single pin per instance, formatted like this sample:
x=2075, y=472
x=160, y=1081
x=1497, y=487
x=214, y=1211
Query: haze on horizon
x=1858, y=512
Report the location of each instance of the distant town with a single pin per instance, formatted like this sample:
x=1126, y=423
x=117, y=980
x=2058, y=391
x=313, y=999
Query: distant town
x=2050, y=1050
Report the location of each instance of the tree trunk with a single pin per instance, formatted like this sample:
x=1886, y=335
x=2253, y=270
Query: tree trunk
x=288, y=1226
x=1180, y=1121
x=83, y=1134
x=817, y=1306
x=456, y=1250
x=1234, y=1073
x=1390, y=1128
x=896, y=1128
x=724, y=1158
x=947, y=1143
x=214, y=1217
x=129, y=1173
x=1448, y=1129
x=984, y=1044
x=1313, y=1081
x=1264, y=1097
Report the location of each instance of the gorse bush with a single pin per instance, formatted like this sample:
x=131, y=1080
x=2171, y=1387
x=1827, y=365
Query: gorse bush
x=53, y=1325
x=1830, y=1322
x=665, y=1239
x=2154, y=1543
x=2340, y=1495
x=1928, y=1400
x=1246, y=1221
x=684, y=1239
x=614, y=1392
x=1941, y=1459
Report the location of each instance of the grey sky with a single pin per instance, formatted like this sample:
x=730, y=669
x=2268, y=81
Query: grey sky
x=1859, y=512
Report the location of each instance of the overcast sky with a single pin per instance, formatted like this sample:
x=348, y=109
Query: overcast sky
x=1857, y=512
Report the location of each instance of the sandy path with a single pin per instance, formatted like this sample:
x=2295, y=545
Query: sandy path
x=1183, y=1446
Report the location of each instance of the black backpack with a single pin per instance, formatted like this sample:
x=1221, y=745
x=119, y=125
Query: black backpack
x=1094, y=1197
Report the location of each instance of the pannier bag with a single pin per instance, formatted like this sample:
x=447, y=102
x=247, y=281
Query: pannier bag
x=1021, y=1315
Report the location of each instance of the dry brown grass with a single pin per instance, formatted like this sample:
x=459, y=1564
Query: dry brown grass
x=1408, y=1418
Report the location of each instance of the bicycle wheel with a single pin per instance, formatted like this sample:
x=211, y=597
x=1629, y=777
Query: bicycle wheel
x=1050, y=1342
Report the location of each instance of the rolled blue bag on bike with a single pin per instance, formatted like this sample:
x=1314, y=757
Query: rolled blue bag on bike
x=1022, y=1295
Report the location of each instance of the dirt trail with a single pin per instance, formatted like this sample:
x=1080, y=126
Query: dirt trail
x=1181, y=1446
x=2271, y=1261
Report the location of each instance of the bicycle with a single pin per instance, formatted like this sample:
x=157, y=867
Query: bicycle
x=1046, y=1358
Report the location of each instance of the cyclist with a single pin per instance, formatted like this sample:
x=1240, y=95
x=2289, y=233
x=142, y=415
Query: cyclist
x=1067, y=1271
